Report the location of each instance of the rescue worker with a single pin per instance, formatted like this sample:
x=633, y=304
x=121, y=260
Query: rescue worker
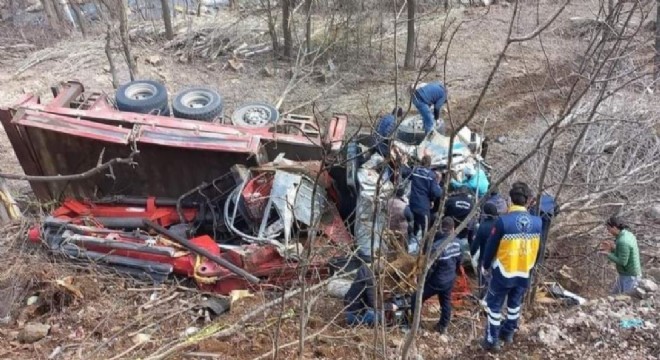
x=473, y=179
x=478, y=246
x=384, y=130
x=424, y=189
x=510, y=254
x=360, y=299
x=442, y=274
x=458, y=206
x=497, y=200
x=624, y=252
x=424, y=96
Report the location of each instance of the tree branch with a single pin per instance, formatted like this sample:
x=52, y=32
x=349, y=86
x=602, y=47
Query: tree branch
x=74, y=177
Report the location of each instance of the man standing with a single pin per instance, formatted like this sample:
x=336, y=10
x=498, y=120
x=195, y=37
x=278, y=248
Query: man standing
x=423, y=97
x=458, y=206
x=625, y=254
x=442, y=274
x=424, y=189
x=511, y=252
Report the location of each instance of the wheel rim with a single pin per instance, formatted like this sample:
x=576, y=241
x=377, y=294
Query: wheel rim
x=256, y=116
x=140, y=91
x=196, y=100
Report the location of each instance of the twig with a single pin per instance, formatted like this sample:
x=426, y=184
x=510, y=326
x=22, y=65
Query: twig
x=74, y=177
x=235, y=327
x=125, y=352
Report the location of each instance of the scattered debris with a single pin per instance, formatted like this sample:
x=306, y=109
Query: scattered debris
x=189, y=331
x=631, y=323
x=33, y=332
x=154, y=60
x=549, y=335
x=567, y=280
x=266, y=72
x=648, y=285
x=55, y=353
x=234, y=64
x=32, y=300
x=217, y=305
x=141, y=338
x=212, y=41
x=654, y=273
x=639, y=293
x=236, y=295
x=558, y=291
x=67, y=284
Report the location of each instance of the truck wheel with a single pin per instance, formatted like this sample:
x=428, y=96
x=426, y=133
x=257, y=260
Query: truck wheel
x=142, y=96
x=198, y=103
x=411, y=130
x=255, y=115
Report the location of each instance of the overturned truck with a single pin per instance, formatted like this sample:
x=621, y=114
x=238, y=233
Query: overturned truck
x=231, y=206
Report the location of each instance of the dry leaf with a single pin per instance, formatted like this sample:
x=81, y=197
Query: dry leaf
x=67, y=283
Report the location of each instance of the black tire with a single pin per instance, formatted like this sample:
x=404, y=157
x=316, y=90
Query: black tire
x=411, y=130
x=198, y=103
x=142, y=96
x=255, y=115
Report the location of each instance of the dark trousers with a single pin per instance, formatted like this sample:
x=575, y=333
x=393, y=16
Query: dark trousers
x=422, y=221
x=443, y=291
x=495, y=300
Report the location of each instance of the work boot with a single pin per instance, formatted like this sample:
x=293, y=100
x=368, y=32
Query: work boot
x=440, y=329
x=490, y=347
x=507, y=338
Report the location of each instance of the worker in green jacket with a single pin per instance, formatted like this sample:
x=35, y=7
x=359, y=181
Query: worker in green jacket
x=623, y=252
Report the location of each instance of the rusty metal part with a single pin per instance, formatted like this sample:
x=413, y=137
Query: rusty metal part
x=158, y=271
x=66, y=93
x=119, y=245
x=200, y=251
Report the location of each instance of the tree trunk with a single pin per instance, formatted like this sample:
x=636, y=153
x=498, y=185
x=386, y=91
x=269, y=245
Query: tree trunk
x=51, y=14
x=271, y=28
x=409, y=62
x=125, y=41
x=167, y=19
x=111, y=63
x=656, y=59
x=80, y=17
x=308, y=26
x=286, y=28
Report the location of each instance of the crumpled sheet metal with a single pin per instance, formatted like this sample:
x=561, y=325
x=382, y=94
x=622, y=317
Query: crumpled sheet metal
x=365, y=226
x=292, y=197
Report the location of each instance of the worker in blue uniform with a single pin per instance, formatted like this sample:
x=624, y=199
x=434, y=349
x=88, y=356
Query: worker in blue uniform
x=424, y=96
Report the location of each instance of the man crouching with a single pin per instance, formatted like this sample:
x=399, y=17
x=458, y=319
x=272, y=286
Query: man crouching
x=360, y=299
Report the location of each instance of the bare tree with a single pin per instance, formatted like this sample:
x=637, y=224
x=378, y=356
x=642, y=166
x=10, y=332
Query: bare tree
x=656, y=59
x=125, y=40
x=108, y=54
x=308, y=25
x=271, y=27
x=286, y=28
x=167, y=19
x=409, y=62
x=51, y=14
x=80, y=17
